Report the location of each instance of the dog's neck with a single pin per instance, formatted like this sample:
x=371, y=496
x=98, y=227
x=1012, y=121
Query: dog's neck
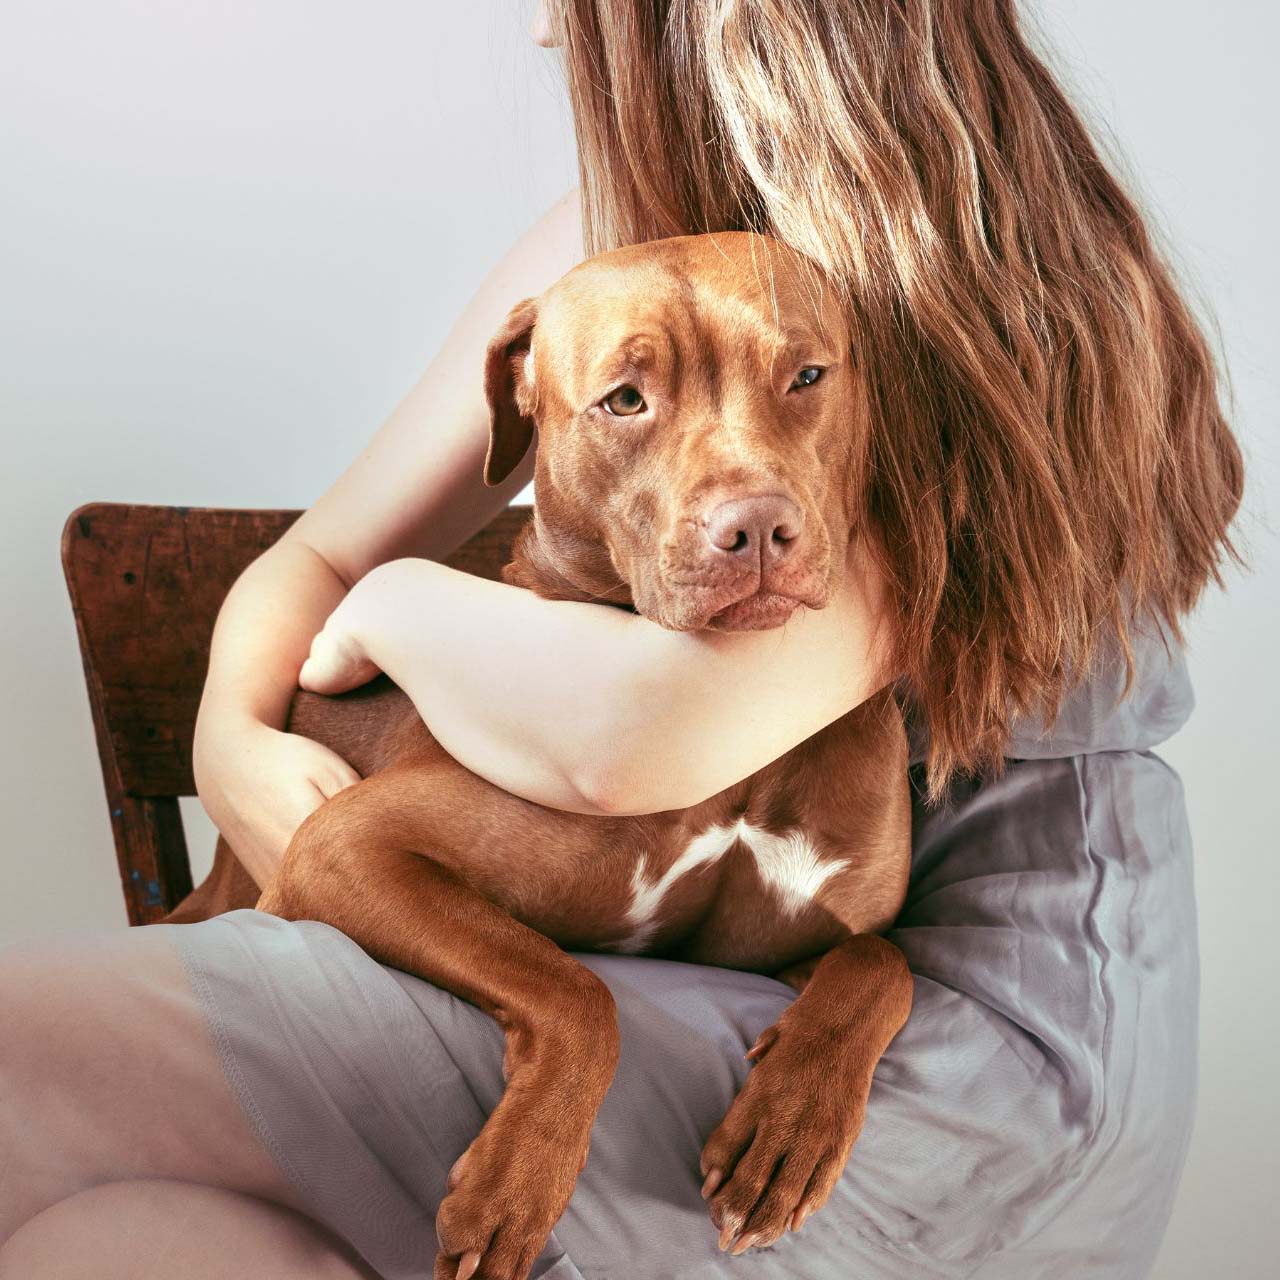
x=559, y=565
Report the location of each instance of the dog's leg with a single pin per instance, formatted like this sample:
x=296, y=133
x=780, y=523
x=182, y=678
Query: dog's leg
x=779, y=1152
x=359, y=864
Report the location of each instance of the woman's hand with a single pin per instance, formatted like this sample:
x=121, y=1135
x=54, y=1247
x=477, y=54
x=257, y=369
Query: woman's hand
x=258, y=784
x=339, y=659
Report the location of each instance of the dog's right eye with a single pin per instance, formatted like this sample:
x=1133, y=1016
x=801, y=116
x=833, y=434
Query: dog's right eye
x=623, y=402
x=807, y=377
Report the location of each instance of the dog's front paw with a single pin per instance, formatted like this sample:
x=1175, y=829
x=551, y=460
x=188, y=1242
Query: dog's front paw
x=506, y=1192
x=778, y=1153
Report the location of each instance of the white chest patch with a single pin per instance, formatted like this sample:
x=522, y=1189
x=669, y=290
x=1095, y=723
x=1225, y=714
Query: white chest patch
x=788, y=864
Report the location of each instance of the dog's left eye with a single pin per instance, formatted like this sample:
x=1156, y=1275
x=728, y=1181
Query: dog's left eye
x=623, y=402
x=806, y=377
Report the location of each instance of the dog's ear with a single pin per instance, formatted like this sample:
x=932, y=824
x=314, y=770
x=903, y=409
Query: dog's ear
x=511, y=394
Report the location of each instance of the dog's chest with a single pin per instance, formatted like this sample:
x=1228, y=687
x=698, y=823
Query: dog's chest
x=774, y=878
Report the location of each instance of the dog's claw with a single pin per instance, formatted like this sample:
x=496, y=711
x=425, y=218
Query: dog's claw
x=729, y=1232
x=468, y=1265
x=744, y=1244
x=764, y=1042
x=713, y=1180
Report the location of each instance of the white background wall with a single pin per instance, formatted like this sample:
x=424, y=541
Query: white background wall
x=232, y=235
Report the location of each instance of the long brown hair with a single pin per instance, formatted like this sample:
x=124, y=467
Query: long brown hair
x=1048, y=456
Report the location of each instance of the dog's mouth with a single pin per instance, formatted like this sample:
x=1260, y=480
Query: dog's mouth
x=740, y=601
x=757, y=605
x=760, y=611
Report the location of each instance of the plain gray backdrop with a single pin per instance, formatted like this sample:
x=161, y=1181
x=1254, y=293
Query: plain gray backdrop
x=231, y=236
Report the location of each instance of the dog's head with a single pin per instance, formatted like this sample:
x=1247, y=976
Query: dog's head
x=700, y=423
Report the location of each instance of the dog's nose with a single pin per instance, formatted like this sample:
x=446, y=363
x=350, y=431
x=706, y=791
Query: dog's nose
x=755, y=528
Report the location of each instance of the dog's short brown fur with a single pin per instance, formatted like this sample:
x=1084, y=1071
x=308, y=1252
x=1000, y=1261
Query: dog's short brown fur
x=727, y=501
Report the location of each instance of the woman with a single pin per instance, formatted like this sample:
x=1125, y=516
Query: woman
x=1052, y=480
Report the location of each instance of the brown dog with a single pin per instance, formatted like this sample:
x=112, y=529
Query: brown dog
x=700, y=425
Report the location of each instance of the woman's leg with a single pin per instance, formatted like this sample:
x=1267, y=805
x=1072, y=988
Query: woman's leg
x=157, y=1230
x=108, y=1075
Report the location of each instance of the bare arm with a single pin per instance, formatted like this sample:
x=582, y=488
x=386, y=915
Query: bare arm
x=588, y=708
x=415, y=490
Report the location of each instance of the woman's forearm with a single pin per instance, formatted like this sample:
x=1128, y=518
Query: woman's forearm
x=593, y=709
x=256, y=783
x=482, y=662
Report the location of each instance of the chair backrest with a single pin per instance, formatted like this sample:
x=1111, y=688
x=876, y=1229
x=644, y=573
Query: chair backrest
x=146, y=584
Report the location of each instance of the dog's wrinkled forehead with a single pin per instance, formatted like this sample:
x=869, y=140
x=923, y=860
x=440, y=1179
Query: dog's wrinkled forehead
x=666, y=311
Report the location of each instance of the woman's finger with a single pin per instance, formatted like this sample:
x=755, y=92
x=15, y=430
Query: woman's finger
x=326, y=770
x=338, y=777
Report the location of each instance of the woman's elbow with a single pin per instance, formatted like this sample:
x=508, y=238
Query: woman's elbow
x=646, y=748
x=623, y=782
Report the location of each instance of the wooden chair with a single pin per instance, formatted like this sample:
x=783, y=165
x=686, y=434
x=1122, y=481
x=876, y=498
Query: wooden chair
x=146, y=584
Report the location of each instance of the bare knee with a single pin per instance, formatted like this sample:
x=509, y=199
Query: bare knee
x=141, y=1230
x=108, y=1073
x=33, y=1172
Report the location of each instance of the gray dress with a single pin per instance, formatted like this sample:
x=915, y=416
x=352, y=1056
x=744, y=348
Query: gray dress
x=1030, y=1121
